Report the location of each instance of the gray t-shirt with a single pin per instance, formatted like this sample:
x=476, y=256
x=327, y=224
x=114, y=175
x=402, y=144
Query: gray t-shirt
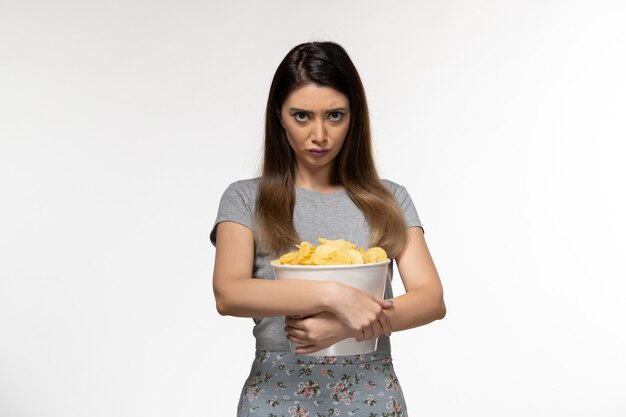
x=332, y=216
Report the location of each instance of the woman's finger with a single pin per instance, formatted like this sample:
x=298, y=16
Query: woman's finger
x=298, y=340
x=305, y=350
x=384, y=303
x=295, y=323
x=296, y=332
x=377, y=329
x=386, y=325
x=358, y=335
x=366, y=333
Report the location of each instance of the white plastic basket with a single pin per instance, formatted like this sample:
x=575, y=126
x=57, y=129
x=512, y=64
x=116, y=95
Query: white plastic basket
x=367, y=277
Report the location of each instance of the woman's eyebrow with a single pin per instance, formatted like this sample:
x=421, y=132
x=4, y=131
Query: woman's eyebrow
x=297, y=110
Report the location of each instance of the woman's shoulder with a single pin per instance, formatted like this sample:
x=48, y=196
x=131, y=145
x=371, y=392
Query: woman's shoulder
x=245, y=190
x=406, y=203
x=246, y=184
x=395, y=188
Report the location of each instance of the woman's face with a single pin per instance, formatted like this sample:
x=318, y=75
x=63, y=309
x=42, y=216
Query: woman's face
x=316, y=121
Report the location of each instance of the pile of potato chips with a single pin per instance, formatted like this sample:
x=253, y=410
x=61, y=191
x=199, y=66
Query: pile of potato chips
x=332, y=252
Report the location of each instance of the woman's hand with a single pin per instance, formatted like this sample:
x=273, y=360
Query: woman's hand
x=361, y=312
x=315, y=332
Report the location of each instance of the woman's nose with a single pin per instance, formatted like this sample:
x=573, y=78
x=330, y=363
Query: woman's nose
x=319, y=133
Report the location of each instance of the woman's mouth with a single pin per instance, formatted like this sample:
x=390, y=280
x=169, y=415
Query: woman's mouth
x=318, y=153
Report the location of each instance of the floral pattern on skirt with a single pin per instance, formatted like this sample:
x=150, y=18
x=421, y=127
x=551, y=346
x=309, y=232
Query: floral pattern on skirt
x=289, y=385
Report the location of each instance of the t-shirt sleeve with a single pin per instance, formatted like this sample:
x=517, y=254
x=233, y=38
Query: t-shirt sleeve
x=408, y=208
x=236, y=205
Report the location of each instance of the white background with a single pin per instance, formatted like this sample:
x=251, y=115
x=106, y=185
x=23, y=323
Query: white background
x=122, y=122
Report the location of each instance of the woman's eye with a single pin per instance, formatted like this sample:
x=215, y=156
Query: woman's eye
x=335, y=116
x=301, y=116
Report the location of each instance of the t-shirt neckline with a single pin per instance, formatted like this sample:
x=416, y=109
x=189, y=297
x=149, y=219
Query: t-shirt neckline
x=318, y=193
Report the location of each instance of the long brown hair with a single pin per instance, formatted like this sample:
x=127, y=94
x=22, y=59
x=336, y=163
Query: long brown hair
x=323, y=64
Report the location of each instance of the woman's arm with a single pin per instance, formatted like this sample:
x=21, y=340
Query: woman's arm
x=238, y=294
x=422, y=302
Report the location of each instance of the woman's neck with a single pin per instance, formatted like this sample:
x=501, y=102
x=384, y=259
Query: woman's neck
x=319, y=181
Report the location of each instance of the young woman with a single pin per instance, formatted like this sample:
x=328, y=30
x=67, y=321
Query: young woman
x=319, y=180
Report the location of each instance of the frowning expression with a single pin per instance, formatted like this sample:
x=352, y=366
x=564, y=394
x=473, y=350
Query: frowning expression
x=316, y=120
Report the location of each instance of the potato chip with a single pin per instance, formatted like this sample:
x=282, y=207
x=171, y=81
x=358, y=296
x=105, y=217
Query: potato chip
x=288, y=257
x=356, y=256
x=340, y=243
x=324, y=251
x=376, y=254
x=363, y=252
x=305, y=246
x=304, y=254
x=331, y=252
x=315, y=260
x=340, y=257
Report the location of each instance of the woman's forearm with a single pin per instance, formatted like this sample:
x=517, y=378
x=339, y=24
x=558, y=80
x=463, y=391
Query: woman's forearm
x=358, y=310
x=416, y=308
x=423, y=301
x=247, y=297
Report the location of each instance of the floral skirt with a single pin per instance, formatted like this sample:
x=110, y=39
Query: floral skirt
x=289, y=385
